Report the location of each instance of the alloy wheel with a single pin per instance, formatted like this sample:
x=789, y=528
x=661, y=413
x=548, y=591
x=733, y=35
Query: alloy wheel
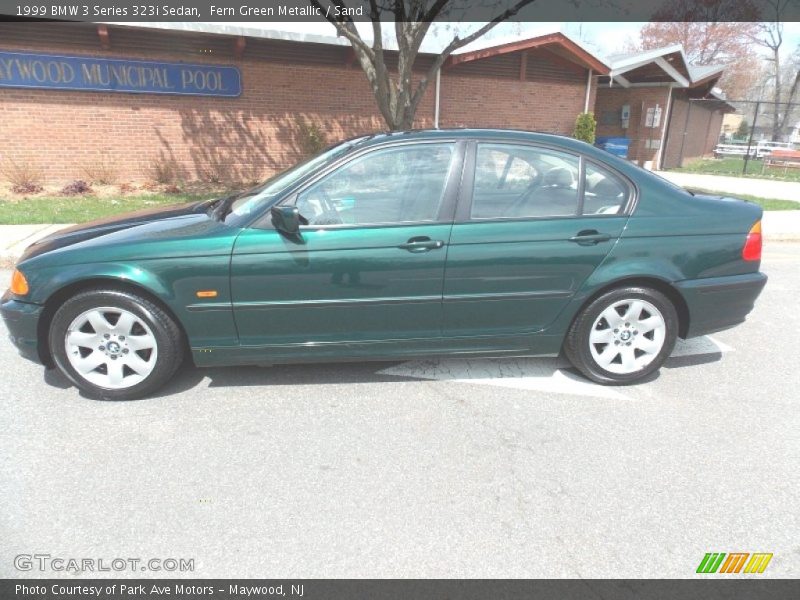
x=627, y=336
x=110, y=347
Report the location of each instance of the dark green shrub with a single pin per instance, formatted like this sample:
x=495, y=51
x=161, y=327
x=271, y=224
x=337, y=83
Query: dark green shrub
x=585, y=127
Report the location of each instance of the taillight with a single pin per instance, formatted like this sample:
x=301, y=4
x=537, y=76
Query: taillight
x=752, y=245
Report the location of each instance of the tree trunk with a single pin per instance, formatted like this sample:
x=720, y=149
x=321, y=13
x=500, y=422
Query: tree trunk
x=789, y=99
x=407, y=120
x=776, y=123
x=396, y=97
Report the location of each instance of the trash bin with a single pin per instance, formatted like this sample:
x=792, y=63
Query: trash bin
x=618, y=146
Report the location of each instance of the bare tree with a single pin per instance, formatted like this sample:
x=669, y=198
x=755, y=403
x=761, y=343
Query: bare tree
x=712, y=32
x=395, y=91
x=770, y=36
x=712, y=43
x=793, y=68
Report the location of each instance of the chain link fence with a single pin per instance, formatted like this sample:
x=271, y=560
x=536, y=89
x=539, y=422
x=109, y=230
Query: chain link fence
x=763, y=133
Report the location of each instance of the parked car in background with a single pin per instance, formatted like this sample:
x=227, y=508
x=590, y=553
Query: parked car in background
x=425, y=243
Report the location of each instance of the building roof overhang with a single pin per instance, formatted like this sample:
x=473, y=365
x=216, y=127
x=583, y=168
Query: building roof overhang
x=556, y=42
x=665, y=66
x=661, y=66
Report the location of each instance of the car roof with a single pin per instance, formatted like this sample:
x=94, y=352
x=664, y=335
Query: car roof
x=461, y=133
x=562, y=142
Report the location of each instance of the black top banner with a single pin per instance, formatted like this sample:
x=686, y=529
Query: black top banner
x=402, y=10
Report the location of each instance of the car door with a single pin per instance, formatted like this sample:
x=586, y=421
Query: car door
x=532, y=224
x=367, y=267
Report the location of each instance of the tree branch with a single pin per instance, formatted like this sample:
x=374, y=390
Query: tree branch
x=457, y=43
x=397, y=99
x=434, y=11
x=505, y=15
x=344, y=27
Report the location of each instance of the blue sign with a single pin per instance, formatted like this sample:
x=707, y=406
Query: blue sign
x=55, y=72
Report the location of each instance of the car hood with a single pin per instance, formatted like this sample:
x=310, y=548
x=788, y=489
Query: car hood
x=171, y=217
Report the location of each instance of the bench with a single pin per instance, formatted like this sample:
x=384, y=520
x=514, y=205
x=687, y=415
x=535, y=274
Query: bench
x=758, y=150
x=788, y=159
x=723, y=150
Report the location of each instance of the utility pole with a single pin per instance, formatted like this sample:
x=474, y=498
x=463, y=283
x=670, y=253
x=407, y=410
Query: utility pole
x=750, y=140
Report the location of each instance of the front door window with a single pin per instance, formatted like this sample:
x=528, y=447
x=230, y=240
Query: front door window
x=403, y=184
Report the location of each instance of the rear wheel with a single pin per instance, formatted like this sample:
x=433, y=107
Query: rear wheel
x=623, y=336
x=115, y=345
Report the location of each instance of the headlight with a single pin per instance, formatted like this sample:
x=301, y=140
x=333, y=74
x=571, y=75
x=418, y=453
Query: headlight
x=19, y=285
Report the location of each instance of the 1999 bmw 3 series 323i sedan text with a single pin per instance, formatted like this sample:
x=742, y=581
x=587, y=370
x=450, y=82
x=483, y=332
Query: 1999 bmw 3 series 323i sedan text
x=425, y=243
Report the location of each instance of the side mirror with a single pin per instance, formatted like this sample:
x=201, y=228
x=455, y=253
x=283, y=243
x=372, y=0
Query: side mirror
x=287, y=219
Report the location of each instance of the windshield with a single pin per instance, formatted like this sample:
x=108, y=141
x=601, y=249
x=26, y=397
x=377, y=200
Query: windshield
x=253, y=199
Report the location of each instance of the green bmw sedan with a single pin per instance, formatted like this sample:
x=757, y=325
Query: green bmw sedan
x=424, y=243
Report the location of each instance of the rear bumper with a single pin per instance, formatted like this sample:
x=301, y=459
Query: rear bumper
x=22, y=319
x=718, y=303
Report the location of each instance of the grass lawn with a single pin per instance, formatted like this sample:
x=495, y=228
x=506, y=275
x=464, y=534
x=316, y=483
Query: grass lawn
x=765, y=203
x=79, y=209
x=732, y=167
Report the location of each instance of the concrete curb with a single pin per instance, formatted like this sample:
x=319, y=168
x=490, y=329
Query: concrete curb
x=753, y=186
x=15, y=238
x=781, y=225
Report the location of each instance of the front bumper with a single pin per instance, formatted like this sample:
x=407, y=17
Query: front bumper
x=719, y=303
x=22, y=320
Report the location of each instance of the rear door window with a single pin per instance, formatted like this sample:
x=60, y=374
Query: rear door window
x=521, y=181
x=514, y=181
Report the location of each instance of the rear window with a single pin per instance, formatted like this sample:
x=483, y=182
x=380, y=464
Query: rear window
x=605, y=193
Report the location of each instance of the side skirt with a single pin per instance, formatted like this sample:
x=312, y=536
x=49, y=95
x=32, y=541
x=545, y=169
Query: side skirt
x=385, y=350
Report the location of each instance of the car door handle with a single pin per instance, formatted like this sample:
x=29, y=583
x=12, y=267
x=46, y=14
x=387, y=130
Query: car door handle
x=589, y=237
x=421, y=244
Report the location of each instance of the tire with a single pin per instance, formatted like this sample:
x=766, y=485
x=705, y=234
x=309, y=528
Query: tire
x=622, y=349
x=115, y=345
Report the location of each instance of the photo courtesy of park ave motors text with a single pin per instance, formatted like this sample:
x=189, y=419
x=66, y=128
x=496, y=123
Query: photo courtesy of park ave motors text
x=400, y=289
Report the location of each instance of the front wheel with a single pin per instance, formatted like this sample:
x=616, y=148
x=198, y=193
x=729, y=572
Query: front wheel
x=114, y=344
x=623, y=336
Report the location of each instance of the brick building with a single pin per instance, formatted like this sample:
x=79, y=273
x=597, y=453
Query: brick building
x=287, y=80
x=674, y=112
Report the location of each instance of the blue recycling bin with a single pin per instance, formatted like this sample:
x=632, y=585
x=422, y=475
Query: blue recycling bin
x=618, y=146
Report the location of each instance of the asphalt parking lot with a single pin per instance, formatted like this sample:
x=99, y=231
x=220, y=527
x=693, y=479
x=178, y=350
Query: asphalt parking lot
x=513, y=468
